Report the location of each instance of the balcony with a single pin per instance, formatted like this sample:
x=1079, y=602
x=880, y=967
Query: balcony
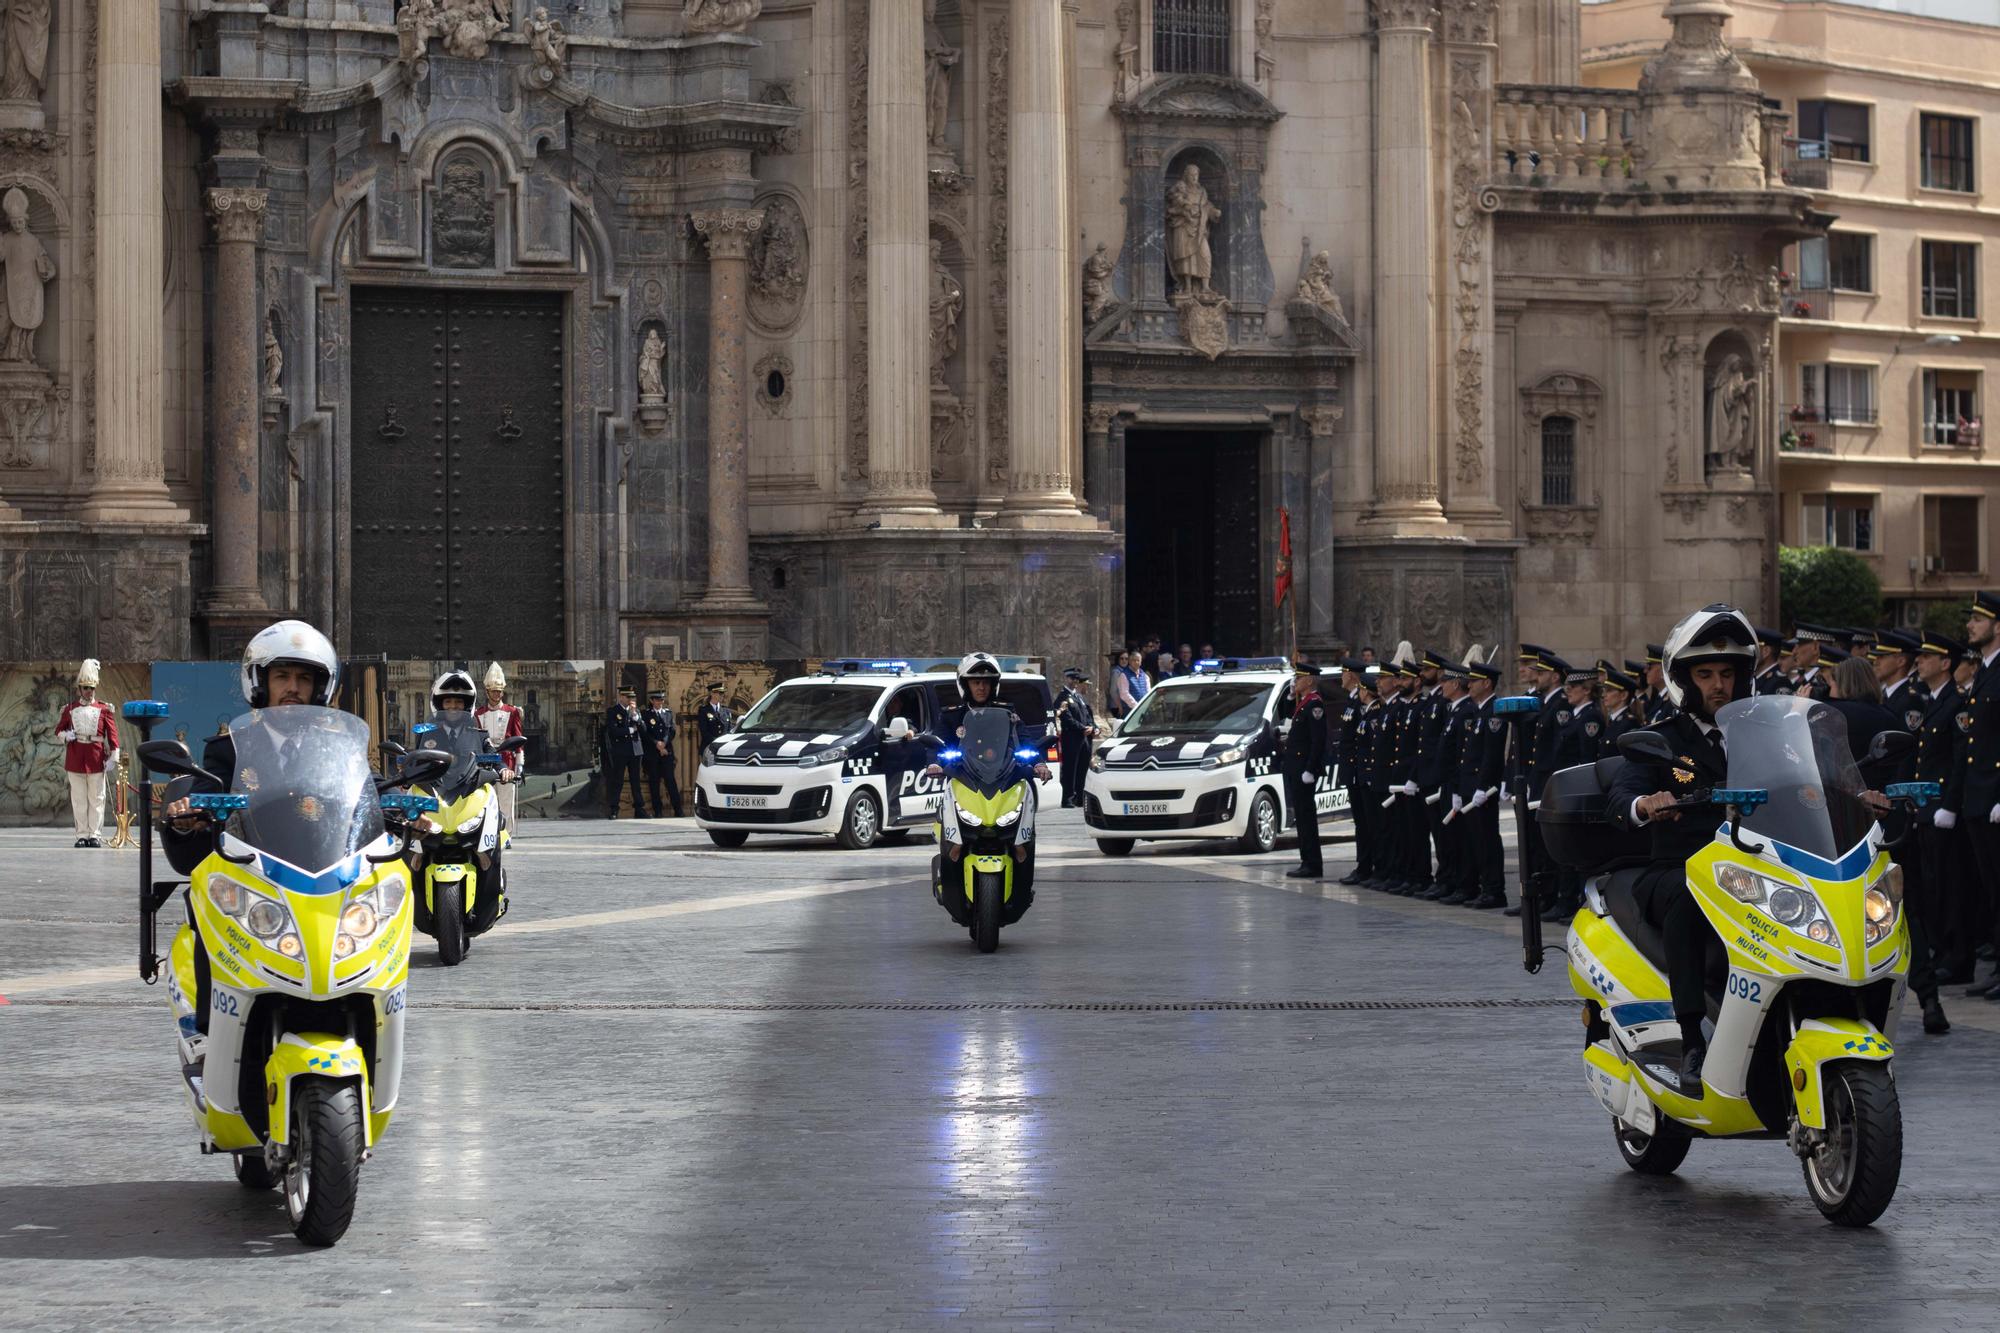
x=1556, y=138
x=1806, y=163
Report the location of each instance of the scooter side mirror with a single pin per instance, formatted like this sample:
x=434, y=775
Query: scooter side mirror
x=424, y=766
x=393, y=749
x=1889, y=745
x=513, y=743
x=1648, y=747
x=173, y=759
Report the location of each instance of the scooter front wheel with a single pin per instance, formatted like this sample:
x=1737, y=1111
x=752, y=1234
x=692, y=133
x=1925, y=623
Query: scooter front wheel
x=986, y=904
x=323, y=1179
x=1657, y=1154
x=1853, y=1172
x=449, y=909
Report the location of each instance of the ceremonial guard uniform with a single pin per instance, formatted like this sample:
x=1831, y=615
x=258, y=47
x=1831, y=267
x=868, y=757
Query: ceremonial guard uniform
x=89, y=733
x=659, y=724
x=1305, y=761
x=501, y=721
x=1078, y=724
x=624, y=748
x=714, y=719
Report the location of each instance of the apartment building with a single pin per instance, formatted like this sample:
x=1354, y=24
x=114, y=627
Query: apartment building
x=1889, y=342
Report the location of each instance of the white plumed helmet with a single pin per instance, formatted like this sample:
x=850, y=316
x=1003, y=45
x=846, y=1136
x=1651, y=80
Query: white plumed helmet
x=496, y=679
x=86, y=674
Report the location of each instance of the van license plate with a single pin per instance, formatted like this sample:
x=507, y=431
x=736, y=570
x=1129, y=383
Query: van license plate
x=745, y=802
x=1145, y=807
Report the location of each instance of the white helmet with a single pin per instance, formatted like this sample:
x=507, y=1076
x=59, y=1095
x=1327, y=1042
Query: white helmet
x=298, y=644
x=977, y=664
x=1716, y=633
x=453, y=684
x=86, y=674
x=496, y=679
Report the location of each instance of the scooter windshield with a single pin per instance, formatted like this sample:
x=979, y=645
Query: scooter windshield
x=986, y=749
x=459, y=736
x=1796, y=749
x=304, y=773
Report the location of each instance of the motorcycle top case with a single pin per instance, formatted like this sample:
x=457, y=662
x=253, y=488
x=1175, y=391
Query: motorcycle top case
x=1573, y=819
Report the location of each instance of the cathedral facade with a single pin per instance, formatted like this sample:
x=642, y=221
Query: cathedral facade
x=769, y=329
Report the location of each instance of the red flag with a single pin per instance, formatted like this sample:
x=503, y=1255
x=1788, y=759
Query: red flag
x=1284, y=555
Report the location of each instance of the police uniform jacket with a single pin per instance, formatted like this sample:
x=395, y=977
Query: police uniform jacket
x=1939, y=754
x=714, y=720
x=1614, y=727
x=1981, y=724
x=1402, y=742
x=622, y=732
x=1306, y=742
x=1577, y=740
x=1492, y=751
x=659, y=727
x=1432, y=767
x=1074, y=713
x=1906, y=701
x=1460, y=732
x=1699, y=764
x=1361, y=770
x=1549, y=724
x=1771, y=681
x=1344, y=757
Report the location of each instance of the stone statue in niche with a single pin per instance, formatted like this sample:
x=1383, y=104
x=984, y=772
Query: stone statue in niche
x=25, y=68
x=1267, y=62
x=720, y=15
x=462, y=218
x=547, y=46
x=652, y=352
x=947, y=303
x=939, y=60
x=1731, y=412
x=1128, y=51
x=1189, y=217
x=274, y=358
x=1097, y=270
x=1316, y=286
x=25, y=268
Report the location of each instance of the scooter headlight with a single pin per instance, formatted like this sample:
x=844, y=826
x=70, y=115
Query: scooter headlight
x=966, y=816
x=267, y=920
x=359, y=920
x=1876, y=905
x=1011, y=817
x=1233, y=755
x=229, y=897
x=1788, y=907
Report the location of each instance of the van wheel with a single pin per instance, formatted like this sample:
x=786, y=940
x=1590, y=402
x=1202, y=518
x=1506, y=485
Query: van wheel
x=1657, y=1154
x=728, y=837
x=1115, y=846
x=1260, y=835
x=862, y=824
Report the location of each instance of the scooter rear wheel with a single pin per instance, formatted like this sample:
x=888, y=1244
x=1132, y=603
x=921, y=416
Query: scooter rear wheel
x=1657, y=1154
x=1853, y=1174
x=252, y=1173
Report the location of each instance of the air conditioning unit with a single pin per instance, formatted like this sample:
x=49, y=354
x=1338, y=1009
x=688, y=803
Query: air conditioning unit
x=1933, y=564
x=1910, y=615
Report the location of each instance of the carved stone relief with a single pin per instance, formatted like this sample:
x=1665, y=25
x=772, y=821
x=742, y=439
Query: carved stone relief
x=703, y=16
x=778, y=265
x=462, y=216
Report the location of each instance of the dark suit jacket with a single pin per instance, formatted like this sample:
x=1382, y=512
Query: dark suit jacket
x=1700, y=764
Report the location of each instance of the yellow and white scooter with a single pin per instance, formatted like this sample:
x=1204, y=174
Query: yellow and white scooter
x=1808, y=910
x=463, y=889
x=288, y=980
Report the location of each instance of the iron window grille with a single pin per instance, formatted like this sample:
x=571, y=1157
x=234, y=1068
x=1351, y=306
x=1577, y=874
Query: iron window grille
x=1191, y=36
x=1947, y=153
x=1558, y=460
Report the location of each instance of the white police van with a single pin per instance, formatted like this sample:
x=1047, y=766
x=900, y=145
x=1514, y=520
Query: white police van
x=1199, y=758
x=820, y=754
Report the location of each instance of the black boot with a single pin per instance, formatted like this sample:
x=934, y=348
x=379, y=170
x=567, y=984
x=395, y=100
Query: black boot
x=1935, y=1023
x=1694, y=1053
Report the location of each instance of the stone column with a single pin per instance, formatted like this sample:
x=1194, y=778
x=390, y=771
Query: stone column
x=233, y=516
x=1098, y=422
x=899, y=270
x=1406, y=464
x=130, y=486
x=729, y=232
x=1044, y=340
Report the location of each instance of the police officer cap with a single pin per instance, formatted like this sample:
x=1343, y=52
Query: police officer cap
x=1856, y=640
x=1832, y=654
x=624, y=690
x=715, y=687
x=1633, y=668
x=1813, y=633
x=1550, y=662
x=1304, y=667
x=1942, y=645
x=1532, y=652
x=1075, y=673
x=656, y=694
x=1580, y=676
x=1765, y=634
x=1453, y=670
x=1986, y=604
x=1434, y=659
x=1618, y=680
x=1655, y=654
x=1892, y=641
x=1354, y=664
x=1483, y=670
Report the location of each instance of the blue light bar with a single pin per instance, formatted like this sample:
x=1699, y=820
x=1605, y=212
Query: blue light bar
x=217, y=803
x=410, y=803
x=1920, y=793
x=1027, y=754
x=1744, y=798
x=1515, y=704
x=140, y=709
x=1207, y=664
x=952, y=754
x=492, y=759
x=423, y=729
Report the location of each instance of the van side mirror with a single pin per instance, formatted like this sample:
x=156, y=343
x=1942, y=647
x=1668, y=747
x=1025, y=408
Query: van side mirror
x=1648, y=747
x=898, y=729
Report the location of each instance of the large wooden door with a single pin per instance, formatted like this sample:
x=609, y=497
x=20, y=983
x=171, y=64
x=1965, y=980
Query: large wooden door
x=457, y=467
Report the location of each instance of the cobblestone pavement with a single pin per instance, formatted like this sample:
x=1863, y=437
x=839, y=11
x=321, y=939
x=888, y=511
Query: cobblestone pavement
x=774, y=1089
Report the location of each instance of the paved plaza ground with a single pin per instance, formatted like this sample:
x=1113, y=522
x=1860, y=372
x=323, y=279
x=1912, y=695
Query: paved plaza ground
x=774, y=1088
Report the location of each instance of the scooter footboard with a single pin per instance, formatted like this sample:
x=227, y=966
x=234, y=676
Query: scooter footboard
x=320, y=1055
x=1821, y=1042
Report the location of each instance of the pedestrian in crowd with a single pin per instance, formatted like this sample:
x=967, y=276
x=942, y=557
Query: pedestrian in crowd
x=501, y=721
x=1304, y=765
x=1368, y=657
x=1149, y=658
x=1207, y=653
x=1357, y=772
x=88, y=730
x=624, y=749
x=1120, y=698
x=660, y=727
x=714, y=719
x=1077, y=723
x=1184, y=660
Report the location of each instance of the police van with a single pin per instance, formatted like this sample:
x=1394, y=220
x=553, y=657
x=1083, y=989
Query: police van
x=820, y=754
x=1199, y=758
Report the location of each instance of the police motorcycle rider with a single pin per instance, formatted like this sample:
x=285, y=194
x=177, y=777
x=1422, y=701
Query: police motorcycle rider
x=1707, y=663
x=284, y=665
x=979, y=687
x=452, y=699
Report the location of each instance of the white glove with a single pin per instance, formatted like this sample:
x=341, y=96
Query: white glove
x=113, y=761
x=1410, y=789
x=66, y=736
x=1993, y=815
x=1534, y=806
x=1502, y=793
x=1309, y=778
x=1458, y=803
x=1481, y=796
x=1943, y=819
x=1434, y=798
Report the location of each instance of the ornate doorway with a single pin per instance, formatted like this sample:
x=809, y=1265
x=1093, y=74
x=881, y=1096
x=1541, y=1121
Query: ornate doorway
x=1191, y=538
x=457, y=466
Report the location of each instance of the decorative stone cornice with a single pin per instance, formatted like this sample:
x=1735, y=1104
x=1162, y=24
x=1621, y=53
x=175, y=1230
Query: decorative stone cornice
x=238, y=213
x=1420, y=14
x=1208, y=98
x=728, y=231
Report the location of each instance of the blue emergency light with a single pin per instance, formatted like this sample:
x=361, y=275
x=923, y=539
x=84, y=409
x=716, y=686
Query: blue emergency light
x=1744, y=798
x=409, y=803
x=140, y=709
x=1919, y=794
x=217, y=803
x=1515, y=705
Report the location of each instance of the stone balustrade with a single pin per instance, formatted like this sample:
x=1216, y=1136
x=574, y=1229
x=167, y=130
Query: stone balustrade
x=1583, y=138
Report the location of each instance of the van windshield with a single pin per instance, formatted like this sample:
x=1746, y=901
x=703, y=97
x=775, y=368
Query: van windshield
x=1215, y=708
x=811, y=708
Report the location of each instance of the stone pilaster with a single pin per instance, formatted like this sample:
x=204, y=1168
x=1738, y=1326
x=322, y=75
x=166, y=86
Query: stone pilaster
x=1406, y=456
x=130, y=486
x=1099, y=422
x=729, y=233
x=238, y=215
x=899, y=352
x=1044, y=343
